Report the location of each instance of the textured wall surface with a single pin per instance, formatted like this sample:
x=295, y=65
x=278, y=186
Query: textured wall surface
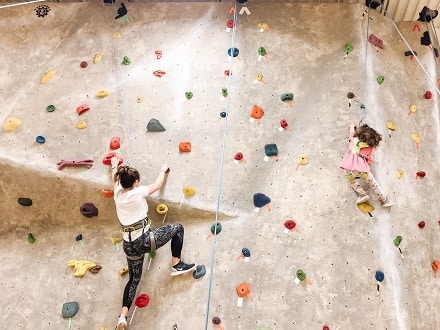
x=339, y=247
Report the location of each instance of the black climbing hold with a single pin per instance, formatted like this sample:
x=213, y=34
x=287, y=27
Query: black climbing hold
x=89, y=210
x=79, y=238
x=70, y=309
x=25, y=201
x=223, y=114
x=42, y=10
x=409, y=53
x=233, y=52
x=199, y=272
x=426, y=15
x=261, y=200
x=373, y=4
x=155, y=126
x=426, y=39
x=122, y=11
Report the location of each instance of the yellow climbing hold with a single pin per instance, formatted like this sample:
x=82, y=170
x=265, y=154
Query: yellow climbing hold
x=116, y=35
x=259, y=76
x=391, y=125
x=81, y=266
x=12, y=124
x=48, y=75
x=302, y=160
x=189, y=191
x=81, y=124
x=415, y=137
x=139, y=100
x=412, y=108
x=97, y=58
x=399, y=174
x=115, y=240
x=123, y=271
x=263, y=26
x=102, y=93
x=365, y=208
x=162, y=209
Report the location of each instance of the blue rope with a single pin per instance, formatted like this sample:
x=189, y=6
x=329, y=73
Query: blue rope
x=220, y=175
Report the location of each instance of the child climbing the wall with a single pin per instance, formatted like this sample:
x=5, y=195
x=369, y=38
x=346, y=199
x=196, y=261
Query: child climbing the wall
x=356, y=163
x=138, y=238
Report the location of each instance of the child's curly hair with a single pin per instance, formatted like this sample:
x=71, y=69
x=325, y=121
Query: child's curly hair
x=368, y=135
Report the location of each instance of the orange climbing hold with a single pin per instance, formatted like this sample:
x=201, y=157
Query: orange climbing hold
x=243, y=290
x=107, y=193
x=435, y=267
x=158, y=53
x=185, y=146
x=159, y=73
x=257, y=112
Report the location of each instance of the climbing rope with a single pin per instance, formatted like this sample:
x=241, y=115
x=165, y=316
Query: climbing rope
x=220, y=175
x=124, y=105
x=434, y=84
x=362, y=105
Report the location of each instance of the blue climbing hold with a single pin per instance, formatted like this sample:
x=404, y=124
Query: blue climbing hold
x=199, y=272
x=379, y=276
x=233, y=52
x=261, y=200
x=246, y=252
x=40, y=139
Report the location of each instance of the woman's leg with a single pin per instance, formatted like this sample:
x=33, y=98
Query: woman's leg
x=173, y=232
x=375, y=186
x=135, y=273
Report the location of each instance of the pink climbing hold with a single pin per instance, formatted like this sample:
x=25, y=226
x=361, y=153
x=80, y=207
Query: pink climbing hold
x=230, y=24
x=376, y=41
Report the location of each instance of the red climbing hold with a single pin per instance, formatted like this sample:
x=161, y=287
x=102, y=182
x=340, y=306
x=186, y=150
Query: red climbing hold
x=115, y=143
x=230, y=24
x=283, y=123
x=109, y=156
x=83, y=64
x=82, y=108
x=421, y=224
x=428, y=95
x=238, y=156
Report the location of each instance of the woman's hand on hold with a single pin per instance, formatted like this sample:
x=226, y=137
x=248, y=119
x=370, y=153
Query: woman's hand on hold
x=164, y=168
x=114, y=161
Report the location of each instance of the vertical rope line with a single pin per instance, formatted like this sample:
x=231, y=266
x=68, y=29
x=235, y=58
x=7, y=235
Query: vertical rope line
x=362, y=105
x=415, y=56
x=123, y=101
x=220, y=175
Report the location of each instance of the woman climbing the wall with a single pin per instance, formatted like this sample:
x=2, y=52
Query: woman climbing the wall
x=356, y=163
x=138, y=239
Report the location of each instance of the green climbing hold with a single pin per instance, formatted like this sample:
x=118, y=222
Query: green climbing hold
x=300, y=275
x=262, y=51
x=50, y=108
x=224, y=91
x=397, y=241
x=189, y=95
x=286, y=97
x=380, y=80
x=69, y=309
x=126, y=60
x=31, y=238
x=348, y=48
x=152, y=254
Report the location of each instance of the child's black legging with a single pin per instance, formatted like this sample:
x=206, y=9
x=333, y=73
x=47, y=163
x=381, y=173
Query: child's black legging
x=135, y=252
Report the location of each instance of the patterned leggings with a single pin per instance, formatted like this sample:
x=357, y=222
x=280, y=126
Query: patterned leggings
x=353, y=177
x=135, y=252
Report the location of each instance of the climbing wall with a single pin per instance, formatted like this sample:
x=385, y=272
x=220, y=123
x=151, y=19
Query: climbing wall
x=249, y=105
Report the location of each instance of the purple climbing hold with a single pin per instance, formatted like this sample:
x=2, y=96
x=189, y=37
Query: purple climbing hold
x=89, y=210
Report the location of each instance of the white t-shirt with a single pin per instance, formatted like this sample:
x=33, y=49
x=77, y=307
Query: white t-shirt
x=131, y=206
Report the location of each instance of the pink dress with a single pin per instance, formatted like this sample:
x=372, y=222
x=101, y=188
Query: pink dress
x=357, y=161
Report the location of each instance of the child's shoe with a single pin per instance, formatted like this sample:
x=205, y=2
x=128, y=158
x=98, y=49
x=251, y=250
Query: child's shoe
x=362, y=198
x=388, y=203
